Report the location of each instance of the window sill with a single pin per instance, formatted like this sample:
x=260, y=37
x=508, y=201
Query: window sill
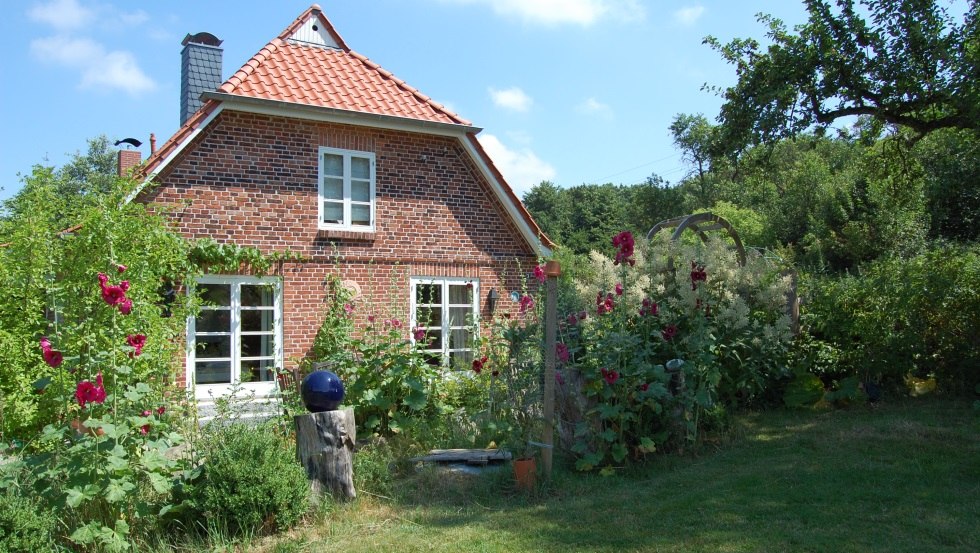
x=364, y=236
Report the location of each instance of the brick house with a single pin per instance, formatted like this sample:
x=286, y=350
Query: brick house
x=313, y=148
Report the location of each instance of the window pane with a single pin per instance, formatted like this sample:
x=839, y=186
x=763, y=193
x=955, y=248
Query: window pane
x=459, y=339
x=360, y=191
x=258, y=345
x=333, y=164
x=215, y=294
x=360, y=215
x=461, y=294
x=213, y=346
x=259, y=320
x=213, y=320
x=333, y=212
x=429, y=317
x=258, y=370
x=428, y=293
x=333, y=189
x=360, y=167
x=212, y=372
x=460, y=316
x=257, y=295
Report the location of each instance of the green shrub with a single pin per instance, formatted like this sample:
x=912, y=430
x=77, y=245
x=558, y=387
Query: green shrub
x=250, y=482
x=24, y=524
x=900, y=316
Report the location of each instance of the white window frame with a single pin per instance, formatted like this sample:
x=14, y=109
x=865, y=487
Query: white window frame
x=445, y=282
x=260, y=389
x=347, y=223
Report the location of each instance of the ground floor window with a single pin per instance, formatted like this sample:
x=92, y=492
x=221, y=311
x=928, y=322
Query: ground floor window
x=236, y=339
x=448, y=310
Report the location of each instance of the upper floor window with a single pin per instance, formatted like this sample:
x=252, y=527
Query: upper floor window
x=346, y=198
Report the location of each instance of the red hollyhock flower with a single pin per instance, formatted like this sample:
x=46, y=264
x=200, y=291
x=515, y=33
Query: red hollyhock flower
x=121, y=268
x=161, y=410
x=619, y=288
x=145, y=429
x=51, y=356
x=539, y=273
x=136, y=341
x=126, y=306
x=609, y=376
x=572, y=319
x=478, y=365
x=113, y=295
x=669, y=333
x=527, y=302
x=561, y=352
x=87, y=392
x=624, y=241
x=418, y=334
x=644, y=387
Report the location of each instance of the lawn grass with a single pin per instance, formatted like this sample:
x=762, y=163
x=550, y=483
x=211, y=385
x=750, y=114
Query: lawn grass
x=903, y=477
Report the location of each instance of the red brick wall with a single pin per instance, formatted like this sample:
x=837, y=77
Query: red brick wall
x=252, y=180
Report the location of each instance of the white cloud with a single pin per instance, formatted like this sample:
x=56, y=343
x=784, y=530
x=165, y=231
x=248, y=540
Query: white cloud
x=99, y=69
x=556, y=12
x=512, y=98
x=689, y=15
x=522, y=169
x=62, y=14
x=594, y=107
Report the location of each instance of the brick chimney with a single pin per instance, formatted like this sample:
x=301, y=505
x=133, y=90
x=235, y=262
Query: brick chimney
x=127, y=160
x=200, y=71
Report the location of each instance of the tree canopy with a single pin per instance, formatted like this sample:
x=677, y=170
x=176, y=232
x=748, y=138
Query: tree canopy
x=900, y=62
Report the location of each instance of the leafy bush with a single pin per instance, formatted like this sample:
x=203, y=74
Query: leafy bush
x=25, y=525
x=249, y=482
x=667, y=345
x=901, y=316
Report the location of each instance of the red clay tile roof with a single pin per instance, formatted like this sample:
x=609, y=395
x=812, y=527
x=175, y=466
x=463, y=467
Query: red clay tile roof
x=328, y=77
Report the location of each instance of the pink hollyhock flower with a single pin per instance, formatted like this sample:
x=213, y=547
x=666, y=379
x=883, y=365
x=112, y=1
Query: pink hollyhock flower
x=136, y=341
x=371, y=319
x=147, y=413
x=112, y=295
x=418, y=334
x=145, y=429
x=527, y=302
x=669, y=333
x=121, y=268
x=396, y=323
x=348, y=308
x=619, y=288
x=126, y=306
x=649, y=308
x=87, y=392
x=539, y=273
x=561, y=352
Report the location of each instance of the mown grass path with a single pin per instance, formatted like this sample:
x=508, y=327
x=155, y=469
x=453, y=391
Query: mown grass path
x=903, y=477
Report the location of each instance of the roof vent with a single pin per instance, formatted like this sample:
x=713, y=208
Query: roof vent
x=200, y=71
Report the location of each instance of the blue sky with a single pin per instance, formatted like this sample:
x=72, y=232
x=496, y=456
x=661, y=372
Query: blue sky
x=572, y=91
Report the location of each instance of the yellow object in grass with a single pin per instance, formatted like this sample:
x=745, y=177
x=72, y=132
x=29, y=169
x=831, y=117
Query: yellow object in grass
x=920, y=386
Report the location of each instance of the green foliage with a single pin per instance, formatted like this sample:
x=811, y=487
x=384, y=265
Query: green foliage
x=665, y=347
x=26, y=526
x=388, y=378
x=217, y=257
x=903, y=63
x=249, y=482
x=900, y=316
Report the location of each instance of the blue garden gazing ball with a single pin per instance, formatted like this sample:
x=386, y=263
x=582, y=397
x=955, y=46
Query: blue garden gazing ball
x=321, y=391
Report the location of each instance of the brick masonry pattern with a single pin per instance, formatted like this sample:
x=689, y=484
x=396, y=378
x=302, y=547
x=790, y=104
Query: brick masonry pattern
x=252, y=180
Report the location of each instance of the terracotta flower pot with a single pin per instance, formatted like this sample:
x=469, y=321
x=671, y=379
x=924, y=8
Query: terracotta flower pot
x=525, y=473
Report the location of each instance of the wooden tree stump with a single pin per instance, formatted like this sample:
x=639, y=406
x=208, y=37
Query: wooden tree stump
x=325, y=447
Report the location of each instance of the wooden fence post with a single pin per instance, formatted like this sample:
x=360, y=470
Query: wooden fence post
x=552, y=270
x=325, y=447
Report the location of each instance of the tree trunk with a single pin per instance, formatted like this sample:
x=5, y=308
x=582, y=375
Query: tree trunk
x=325, y=447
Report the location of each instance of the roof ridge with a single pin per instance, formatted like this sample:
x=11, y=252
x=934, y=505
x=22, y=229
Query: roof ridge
x=407, y=87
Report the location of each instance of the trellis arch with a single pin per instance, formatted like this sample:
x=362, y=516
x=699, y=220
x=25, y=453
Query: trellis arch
x=700, y=223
